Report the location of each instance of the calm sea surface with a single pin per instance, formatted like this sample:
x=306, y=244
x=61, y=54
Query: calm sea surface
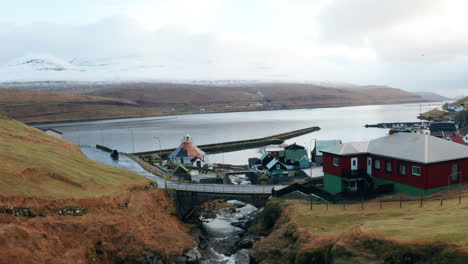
x=142, y=134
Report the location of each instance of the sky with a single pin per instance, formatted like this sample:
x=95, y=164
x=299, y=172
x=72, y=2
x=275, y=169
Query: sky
x=417, y=45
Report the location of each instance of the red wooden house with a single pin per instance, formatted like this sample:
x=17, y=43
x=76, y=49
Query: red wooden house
x=414, y=163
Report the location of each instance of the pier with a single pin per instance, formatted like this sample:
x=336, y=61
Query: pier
x=393, y=124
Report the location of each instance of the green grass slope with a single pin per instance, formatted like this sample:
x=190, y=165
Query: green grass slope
x=36, y=164
x=462, y=101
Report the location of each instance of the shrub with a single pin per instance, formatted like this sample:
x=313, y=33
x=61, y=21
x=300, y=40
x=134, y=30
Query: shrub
x=270, y=215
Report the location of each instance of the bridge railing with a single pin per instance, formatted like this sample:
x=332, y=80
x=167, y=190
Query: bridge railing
x=224, y=188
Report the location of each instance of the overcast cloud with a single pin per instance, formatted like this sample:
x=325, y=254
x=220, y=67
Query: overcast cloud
x=414, y=45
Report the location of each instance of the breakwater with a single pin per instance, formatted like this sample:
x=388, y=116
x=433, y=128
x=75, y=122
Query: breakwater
x=241, y=144
x=393, y=124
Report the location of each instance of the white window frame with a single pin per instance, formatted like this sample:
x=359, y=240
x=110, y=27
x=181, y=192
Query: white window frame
x=278, y=167
x=336, y=161
x=413, y=172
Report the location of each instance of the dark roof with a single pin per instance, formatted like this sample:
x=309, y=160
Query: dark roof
x=254, y=161
x=294, y=147
x=266, y=158
x=46, y=129
x=179, y=152
x=180, y=169
x=441, y=133
x=442, y=127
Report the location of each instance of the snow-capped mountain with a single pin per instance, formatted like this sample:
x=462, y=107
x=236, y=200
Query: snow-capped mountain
x=47, y=70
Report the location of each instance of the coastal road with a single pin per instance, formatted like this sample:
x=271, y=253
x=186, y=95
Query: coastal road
x=127, y=163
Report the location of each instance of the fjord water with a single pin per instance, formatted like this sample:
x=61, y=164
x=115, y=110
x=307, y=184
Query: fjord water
x=153, y=133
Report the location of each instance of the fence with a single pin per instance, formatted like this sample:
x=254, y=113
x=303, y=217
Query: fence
x=452, y=196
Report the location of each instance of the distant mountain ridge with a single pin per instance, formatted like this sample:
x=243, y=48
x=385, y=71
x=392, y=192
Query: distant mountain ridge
x=64, y=101
x=433, y=96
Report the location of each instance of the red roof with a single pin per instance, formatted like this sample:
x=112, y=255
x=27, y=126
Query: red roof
x=192, y=149
x=457, y=139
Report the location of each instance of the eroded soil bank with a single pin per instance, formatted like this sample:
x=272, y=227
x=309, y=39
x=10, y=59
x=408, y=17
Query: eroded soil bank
x=138, y=226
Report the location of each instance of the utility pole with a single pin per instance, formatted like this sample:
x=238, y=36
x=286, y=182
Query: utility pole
x=310, y=148
x=133, y=141
x=160, y=149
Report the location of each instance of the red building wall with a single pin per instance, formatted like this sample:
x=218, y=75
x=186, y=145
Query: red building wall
x=395, y=176
x=432, y=175
x=345, y=163
x=440, y=173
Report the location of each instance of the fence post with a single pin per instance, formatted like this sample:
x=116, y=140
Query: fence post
x=421, y=202
x=380, y=203
x=400, y=201
x=344, y=206
x=311, y=203
x=441, y=201
x=327, y=204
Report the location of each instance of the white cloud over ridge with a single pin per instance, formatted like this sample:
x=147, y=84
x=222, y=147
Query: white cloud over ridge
x=414, y=45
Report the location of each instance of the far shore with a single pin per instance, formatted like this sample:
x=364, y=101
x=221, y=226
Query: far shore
x=170, y=116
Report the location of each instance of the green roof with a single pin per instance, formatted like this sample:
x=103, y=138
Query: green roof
x=264, y=155
x=181, y=167
x=295, y=155
x=323, y=144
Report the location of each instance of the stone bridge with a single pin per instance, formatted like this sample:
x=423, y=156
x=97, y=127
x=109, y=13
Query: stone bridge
x=187, y=201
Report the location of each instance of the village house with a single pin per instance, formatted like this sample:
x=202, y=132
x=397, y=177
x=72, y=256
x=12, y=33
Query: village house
x=182, y=173
x=52, y=132
x=294, y=157
x=255, y=164
x=265, y=159
x=317, y=156
x=188, y=153
x=416, y=164
x=442, y=129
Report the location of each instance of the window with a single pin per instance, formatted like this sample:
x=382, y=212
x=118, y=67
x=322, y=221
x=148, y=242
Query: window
x=402, y=169
x=416, y=171
x=336, y=162
x=454, y=175
x=278, y=167
x=388, y=166
x=377, y=164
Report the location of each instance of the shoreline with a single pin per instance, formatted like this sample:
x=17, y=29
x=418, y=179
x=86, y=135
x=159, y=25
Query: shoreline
x=33, y=123
x=240, y=144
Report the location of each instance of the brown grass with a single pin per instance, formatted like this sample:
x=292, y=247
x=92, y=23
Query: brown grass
x=432, y=234
x=126, y=217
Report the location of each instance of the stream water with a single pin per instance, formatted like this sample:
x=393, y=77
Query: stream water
x=227, y=241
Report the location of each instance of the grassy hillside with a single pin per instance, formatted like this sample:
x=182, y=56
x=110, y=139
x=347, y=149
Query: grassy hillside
x=151, y=99
x=462, y=101
x=57, y=206
x=39, y=165
x=350, y=234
